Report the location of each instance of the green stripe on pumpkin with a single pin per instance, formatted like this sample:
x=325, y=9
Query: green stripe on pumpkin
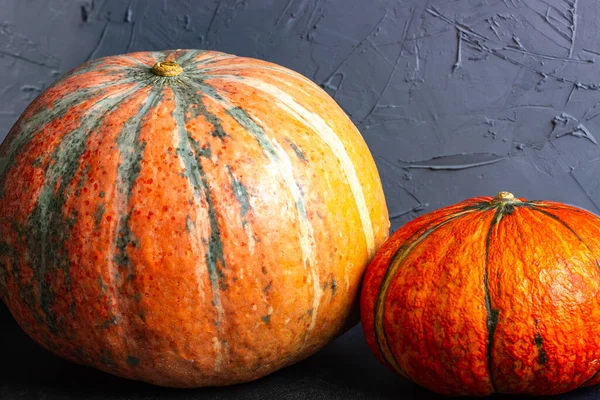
x=193, y=106
x=297, y=150
x=25, y=130
x=241, y=195
x=265, y=143
x=186, y=59
x=49, y=227
x=131, y=150
x=98, y=214
x=492, y=314
x=191, y=154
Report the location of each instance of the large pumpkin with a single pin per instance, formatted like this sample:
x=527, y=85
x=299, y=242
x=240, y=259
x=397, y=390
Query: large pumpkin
x=186, y=218
x=489, y=295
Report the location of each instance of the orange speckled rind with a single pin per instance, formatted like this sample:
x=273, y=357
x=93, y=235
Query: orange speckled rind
x=495, y=297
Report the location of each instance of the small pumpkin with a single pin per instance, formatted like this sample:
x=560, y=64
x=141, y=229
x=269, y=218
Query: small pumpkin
x=489, y=295
x=186, y=218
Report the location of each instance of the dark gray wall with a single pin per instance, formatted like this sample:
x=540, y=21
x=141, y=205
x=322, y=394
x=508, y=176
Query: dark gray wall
x=455, y=98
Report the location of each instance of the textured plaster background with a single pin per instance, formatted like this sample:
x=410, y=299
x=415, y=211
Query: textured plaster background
x=455, y=99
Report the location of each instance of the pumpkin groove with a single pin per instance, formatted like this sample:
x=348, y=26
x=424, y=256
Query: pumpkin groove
x=185, y=230
x=491, y=313
x=536, y=303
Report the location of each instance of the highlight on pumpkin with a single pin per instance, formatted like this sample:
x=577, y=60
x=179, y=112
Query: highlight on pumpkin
x=490, y=295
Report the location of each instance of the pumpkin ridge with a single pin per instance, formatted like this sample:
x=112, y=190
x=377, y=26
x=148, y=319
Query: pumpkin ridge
x=558, y=219
x=48, y=217
x=190, y=153
x=328, y=136
x=187, y=59
x=131, y=151
x=563, y=223
x=277, y=155
x=28, y=128
x=394, y=264
x=196, y=98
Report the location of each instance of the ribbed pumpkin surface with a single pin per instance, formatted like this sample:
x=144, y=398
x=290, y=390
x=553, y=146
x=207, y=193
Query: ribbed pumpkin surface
x=200, y=229
x=489, y=295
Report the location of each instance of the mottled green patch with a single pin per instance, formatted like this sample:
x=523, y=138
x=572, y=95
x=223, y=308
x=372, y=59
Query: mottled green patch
x=266, y=319
x=102, y=194
x=131, y=149
x=192, y=153
x=256, y=130
x=186, y=59
x=200, y=84
x=26, y=129
x=25, y=290
x=124, y=239
x=137, y=297
x=299, y=153
x=268, y=287
x=241, y=195
x=49, y=227
x=82, y=179
x=98, y=214
x=265, y=143
x=110, y=322
x=146, y=76
x=333, y=286
x=101, y=284
x=309, y=312
x=37, y=163
x=542, y=356
x=106, y=359
x=193, y=105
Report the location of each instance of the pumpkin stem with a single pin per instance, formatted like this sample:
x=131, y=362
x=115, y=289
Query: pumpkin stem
x=506, y=197
x=167, y=68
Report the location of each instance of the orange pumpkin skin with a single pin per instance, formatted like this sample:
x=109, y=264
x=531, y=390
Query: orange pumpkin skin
x=489, y=295
x=199, y=229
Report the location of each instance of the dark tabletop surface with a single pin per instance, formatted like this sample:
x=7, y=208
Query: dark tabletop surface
x=454, y=98
x=345, y=369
